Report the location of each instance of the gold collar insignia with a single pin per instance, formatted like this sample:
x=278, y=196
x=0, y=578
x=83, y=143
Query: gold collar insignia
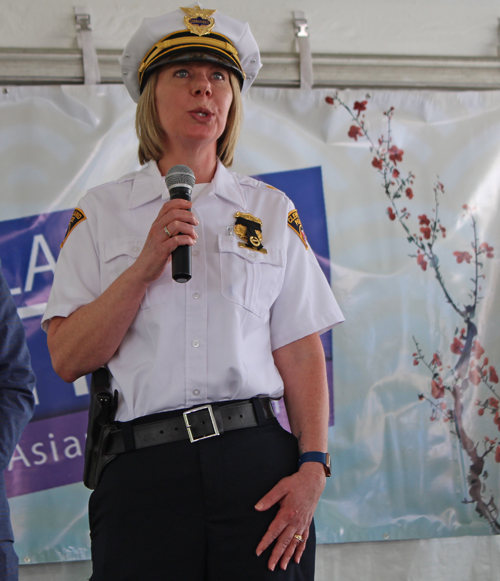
x=249, y=229
x=199, y=20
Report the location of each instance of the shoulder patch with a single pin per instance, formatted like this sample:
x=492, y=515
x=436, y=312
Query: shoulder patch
x=77, y=217
x=296, y=225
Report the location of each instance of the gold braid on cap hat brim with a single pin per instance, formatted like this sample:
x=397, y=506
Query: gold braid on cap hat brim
x=188, y=41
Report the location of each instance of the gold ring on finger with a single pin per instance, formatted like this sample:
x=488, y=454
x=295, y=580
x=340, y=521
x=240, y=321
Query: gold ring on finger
x=166, y=231
x=299, y=538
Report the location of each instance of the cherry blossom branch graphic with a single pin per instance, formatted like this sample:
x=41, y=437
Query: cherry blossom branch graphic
x=449, y=383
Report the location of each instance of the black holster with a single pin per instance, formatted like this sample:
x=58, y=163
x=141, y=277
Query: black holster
x=103, y=404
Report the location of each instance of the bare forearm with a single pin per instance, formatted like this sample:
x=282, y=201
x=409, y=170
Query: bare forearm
x=88, y=338
x=302, y=367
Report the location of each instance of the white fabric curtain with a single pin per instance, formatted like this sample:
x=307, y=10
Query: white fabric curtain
x=413, y=262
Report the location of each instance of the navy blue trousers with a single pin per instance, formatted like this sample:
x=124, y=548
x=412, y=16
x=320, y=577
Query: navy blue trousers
x=185, y=512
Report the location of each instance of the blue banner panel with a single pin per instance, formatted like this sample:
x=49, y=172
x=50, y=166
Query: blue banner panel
x=29, y=248
x=305, y=188
x=49, y=454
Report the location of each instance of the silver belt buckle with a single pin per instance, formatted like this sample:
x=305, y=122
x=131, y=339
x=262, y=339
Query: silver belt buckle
x=207, y=407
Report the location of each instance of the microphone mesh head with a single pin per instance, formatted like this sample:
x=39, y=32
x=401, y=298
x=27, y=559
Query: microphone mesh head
x=180, y=175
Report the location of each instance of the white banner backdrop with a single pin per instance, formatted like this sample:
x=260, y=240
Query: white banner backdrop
x=412, y=253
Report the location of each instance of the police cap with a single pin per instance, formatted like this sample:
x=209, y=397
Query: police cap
x=190, y=34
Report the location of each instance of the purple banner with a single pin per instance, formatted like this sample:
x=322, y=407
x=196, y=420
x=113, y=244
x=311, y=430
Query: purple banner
x=49, y=454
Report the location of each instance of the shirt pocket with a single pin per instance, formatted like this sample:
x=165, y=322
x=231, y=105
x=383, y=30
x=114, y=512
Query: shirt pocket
x=250, y=278
x=116, y=256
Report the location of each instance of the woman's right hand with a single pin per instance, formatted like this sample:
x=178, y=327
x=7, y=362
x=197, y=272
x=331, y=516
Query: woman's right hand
x=176, y=217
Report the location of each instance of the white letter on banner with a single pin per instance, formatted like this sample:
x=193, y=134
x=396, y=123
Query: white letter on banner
x=38, y=452
x=20, y=456
x=77, y=450
x=39, y=242
x=53, y=447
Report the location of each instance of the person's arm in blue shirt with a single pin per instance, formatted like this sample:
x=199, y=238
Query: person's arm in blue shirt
x=17, y=379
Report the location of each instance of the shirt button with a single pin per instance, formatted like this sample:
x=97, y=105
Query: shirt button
x=195, y=252
x=196, y=392
x=135, y=249
x=195, y=343
x=196, y=296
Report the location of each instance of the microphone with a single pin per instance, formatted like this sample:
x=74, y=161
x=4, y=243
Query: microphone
x=180, y=181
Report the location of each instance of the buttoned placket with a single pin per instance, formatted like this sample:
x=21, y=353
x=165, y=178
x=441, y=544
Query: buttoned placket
x=197, y=322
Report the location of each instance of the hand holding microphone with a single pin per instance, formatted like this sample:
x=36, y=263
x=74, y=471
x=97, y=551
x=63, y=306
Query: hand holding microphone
x=180, y=181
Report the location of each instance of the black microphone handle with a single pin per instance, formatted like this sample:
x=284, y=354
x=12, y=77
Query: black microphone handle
x=181, y=256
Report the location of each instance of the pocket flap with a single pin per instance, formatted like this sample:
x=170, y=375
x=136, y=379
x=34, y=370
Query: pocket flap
x=274, y=256
x=121, y=246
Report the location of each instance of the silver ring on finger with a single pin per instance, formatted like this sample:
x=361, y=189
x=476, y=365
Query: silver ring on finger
x=165, y=229
x=299, y=538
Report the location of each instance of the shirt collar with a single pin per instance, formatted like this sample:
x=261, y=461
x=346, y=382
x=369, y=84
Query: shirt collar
x=149, y=185
x=227, y=186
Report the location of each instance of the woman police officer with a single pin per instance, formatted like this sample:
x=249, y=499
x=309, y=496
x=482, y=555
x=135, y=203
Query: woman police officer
x=244, y=329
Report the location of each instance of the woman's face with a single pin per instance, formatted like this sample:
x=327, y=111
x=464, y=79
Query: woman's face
x=193, y=101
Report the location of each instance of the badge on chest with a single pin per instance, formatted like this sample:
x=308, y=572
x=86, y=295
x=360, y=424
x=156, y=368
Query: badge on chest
x=249, y=229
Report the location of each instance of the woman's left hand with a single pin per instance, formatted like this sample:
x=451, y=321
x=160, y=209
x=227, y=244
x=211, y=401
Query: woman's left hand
x=298, y=496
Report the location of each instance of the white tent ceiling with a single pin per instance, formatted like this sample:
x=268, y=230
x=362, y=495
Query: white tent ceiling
x=373, y=43
x=408, y=27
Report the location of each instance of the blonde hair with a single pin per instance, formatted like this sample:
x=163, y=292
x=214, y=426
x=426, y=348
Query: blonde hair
x=151, y=135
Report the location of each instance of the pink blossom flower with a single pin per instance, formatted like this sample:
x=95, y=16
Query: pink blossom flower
x=421, y=261
x=461, y=256
x=377, y=162
x=426, y=231
x=475, y=376
x=488, y=249
x=409, y=193
x=360, y=106
x=395, y=154
x=437, y=388
x=477, y=349
x=355, y=132
x=457, y=346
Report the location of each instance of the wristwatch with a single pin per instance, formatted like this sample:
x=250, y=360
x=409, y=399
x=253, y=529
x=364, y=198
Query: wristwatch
x=321, y=457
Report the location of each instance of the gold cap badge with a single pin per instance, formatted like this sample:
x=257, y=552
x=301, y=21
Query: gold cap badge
x=199, y=20
x=249, y=229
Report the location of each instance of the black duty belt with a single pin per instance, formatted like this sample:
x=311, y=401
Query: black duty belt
x=194, y=424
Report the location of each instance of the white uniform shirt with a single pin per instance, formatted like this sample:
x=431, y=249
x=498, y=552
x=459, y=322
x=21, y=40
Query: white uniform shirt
x=210, y=339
